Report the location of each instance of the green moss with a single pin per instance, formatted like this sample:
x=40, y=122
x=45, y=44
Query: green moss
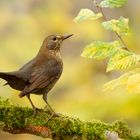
x=13, y=117
x=95, y=130
x=64, y=125
x=121, y=127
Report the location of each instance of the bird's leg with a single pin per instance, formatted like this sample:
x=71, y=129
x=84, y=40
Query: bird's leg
x=34, y=108
x=53, y=114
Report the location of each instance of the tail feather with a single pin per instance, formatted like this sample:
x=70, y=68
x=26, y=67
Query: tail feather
x=13, y=80
x=5, y=84
x=3, y=76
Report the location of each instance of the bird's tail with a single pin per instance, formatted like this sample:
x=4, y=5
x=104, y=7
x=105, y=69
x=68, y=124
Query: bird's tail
x=13, y=80
x=5, y=84
x=3, y=76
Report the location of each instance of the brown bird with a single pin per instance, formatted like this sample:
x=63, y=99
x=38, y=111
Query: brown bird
x=40, y=74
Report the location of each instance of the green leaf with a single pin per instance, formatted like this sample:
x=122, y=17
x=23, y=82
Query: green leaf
x=122, y=59
x=86, y=14
x=100, y=50
x=130, y=79
x=113, y=3
x=118, y=57
x=119, y=26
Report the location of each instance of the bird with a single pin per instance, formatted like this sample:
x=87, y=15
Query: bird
x=40, y=74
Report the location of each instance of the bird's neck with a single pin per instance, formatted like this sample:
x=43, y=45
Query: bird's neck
x=49, y=54
x=54, y=53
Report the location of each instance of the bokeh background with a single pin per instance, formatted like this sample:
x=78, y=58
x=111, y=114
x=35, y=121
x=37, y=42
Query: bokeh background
x=24, y=25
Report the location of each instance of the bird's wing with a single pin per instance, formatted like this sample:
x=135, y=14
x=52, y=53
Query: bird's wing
x=41, y=77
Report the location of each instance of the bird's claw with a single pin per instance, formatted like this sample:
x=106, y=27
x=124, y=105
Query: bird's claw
x=36, y=110
x=53, y=115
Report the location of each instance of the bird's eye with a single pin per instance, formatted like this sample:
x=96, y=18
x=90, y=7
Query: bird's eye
x=54, y=39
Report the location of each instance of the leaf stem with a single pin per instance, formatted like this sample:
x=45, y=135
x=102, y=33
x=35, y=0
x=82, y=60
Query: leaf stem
x=101, y=10
x=105, y=19
x=124, y=44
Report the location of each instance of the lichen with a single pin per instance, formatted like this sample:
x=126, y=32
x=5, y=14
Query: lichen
x=12, y=117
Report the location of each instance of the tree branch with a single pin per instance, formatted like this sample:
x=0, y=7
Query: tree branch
x=17, y=120
x=105, y=19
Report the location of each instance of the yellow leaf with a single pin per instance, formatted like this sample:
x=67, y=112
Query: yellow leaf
x=133, y=84
x=87, y=14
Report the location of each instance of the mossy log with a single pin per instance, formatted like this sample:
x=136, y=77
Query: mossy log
x=16, y=120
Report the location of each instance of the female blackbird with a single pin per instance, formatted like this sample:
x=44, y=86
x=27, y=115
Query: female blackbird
x=40, y=74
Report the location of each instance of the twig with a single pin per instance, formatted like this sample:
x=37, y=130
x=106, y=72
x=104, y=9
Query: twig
x=101, y=10
x=105, y=19
x=125, y=46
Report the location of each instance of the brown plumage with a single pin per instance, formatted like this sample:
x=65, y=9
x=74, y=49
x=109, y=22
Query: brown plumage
x=40, y=74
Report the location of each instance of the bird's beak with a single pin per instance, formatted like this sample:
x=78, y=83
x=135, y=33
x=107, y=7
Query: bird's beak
x=66, y=36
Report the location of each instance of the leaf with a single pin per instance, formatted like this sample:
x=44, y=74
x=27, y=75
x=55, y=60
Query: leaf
x=120, y=26
x=113, y=3
x=125, y=79
x=86, y=14
x=118, y=57
x=122, y=59
x=100, y=50
x=111, y=85
x=133, y=83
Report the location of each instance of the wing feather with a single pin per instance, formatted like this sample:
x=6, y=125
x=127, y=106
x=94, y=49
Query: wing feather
x=41, y=77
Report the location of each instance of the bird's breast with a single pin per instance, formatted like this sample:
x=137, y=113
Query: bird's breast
x=55, y=67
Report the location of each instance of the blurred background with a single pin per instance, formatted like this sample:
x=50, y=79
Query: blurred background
x=24, y=25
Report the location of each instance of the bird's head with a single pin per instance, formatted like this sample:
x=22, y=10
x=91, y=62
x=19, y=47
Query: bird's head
x=53, y=42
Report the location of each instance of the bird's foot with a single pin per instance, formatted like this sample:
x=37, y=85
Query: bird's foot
x=53, y=115
x=36, y=111
x=49, y=111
